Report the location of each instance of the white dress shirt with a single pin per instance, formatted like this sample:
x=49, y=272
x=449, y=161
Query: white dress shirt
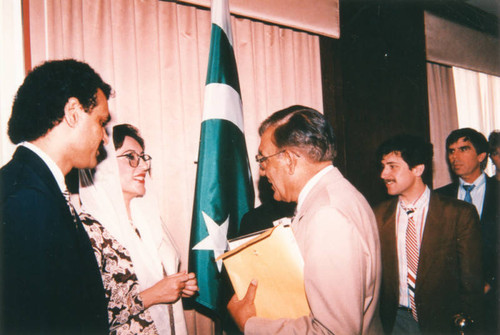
x=421, y=206
x=477, y=193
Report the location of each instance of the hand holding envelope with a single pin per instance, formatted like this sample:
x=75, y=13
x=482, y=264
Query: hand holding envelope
x=274, y=260
x=244, y=309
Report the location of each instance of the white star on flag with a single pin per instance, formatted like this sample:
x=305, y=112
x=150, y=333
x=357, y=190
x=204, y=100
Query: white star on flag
x=216, y=239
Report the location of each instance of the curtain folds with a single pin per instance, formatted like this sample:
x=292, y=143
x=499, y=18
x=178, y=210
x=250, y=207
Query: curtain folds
x=478, y=102
x=442, y=117
x=155, y=55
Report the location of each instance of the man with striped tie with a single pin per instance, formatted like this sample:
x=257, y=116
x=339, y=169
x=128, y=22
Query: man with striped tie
x=431, y=246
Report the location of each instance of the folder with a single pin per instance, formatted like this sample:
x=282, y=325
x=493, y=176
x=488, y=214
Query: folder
x=274, y=259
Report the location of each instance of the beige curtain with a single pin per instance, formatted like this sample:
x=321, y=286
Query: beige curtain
x=155, y=55
x=442, y=117
x=322, y=18
x=478, y=102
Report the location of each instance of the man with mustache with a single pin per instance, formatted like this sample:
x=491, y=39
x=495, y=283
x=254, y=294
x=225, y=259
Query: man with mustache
x=431, y=246
x=467, y=151
x=50, y=281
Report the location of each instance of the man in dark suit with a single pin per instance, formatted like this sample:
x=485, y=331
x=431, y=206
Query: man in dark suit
x=50, y=281
x=431, y=246
x=494, y=143
x=467, y=152
x=262, y=217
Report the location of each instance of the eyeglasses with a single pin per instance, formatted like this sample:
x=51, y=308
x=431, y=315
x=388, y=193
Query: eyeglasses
x=134, y=158
x=261, y=159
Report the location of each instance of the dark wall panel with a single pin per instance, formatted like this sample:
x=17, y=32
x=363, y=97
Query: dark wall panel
x=378, y=78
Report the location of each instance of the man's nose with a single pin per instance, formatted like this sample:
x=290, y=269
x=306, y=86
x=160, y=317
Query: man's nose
x=262, y=171
x=383, y=173
x=105, y=137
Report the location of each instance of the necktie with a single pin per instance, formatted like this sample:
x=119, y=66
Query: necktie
x=468, y=189
x=412, y=254
x=70, y=206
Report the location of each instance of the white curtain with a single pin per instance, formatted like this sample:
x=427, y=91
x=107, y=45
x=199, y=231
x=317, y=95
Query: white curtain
x=442, y=117
x=11, y=67
x=478, y=102
x=155, y=55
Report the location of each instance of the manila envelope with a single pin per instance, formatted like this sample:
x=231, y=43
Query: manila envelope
x=274, y=259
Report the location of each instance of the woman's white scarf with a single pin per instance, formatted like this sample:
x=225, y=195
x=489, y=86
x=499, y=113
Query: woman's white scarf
x=152, y=252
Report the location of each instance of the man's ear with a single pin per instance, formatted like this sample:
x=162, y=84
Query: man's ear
x=290, y=160
x=418, y=170
x=482, y=156
x=72, y=111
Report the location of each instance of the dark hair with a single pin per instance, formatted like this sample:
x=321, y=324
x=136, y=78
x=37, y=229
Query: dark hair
x=414, y=150
x=39, y=102
x=494, y=140
x=120, y=131
x=477, y=139
x=305, y=128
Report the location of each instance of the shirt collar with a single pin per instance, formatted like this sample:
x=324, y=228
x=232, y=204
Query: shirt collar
x=421, y=201
x=54, y=169
x=478, y=182
x=310, y=184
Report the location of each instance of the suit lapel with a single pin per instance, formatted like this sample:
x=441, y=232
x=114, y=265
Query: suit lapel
x=490, y=204
x=429, y=240
x=388, y=236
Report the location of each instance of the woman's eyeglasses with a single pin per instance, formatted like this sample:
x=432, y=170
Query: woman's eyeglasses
x=134, y=158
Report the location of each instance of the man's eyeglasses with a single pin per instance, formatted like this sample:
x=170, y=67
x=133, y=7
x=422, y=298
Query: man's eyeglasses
x=261, y=159
x=134, y=158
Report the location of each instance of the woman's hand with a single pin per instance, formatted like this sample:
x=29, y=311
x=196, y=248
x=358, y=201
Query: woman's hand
x=169, y=289
x=191, y=286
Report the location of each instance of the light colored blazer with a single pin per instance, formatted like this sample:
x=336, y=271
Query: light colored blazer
x=336, y=232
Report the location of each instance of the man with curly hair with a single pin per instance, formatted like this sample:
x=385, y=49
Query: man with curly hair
x=50, y=282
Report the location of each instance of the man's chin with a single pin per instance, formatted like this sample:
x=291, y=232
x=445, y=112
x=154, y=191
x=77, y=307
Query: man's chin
x=92, y=163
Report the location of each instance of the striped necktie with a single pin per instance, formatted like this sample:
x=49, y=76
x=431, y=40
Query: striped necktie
x=468, y=189
x=412, y=254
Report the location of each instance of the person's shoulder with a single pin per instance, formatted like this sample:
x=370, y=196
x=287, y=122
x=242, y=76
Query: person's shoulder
x=443, y=202
x=493, y=183
x=19, y=180
x=384, y=206
x=448, y=190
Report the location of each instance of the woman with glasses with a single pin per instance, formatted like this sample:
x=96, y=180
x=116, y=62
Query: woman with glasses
x=138, y=261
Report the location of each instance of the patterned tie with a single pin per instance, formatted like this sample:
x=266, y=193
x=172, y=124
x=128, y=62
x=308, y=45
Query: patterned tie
x=468, y=189
x=71, y=208
x=412, y=259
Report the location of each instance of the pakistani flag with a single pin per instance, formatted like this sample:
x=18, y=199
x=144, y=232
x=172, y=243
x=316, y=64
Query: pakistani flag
x=224, y=191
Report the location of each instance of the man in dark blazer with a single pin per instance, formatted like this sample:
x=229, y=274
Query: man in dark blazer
x=50, y=281
x=448, y=246
x=262, y=217
x=467, y=152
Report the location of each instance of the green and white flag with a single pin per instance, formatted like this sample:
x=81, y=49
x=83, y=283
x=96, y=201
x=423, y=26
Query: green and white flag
x=224, y=189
